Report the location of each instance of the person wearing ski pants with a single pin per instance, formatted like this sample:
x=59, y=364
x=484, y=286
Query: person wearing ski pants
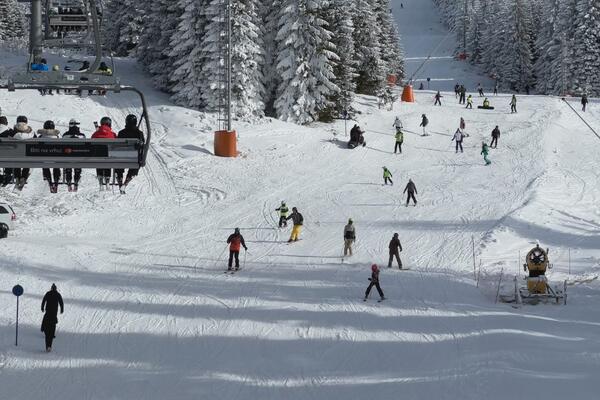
x=485, y=151
x=395, y=249
x=411, y=190
x=399, y=141
x=298, y=221
x=374, y=282
x=50, y=303
x=513, y=104
x=458, y=137
x=236, y=242
x=349, y=237
x=387, y=176
x=495, y=136
x=283, y=213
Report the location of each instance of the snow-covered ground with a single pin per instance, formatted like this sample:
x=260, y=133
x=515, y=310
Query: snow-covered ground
x=424, y=35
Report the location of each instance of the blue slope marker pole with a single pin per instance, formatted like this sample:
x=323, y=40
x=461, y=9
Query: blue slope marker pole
x=17, y=291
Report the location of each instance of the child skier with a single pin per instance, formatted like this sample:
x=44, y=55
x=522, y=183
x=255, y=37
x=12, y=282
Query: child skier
x=485, y=151
x=374, y=282
x=397, y=124
x=387, y=176
x=424, y=123
x=283, y=213
x=469, y=102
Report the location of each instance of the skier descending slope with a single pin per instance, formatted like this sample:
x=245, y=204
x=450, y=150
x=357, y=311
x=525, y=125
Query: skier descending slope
x=236, y=241
x=131, y=131
x=73, y=133
x=395, y=249
x=485, y=151
x=298, y=221
x=411, y=190
x=387, y=176
x=397, y=124
x=283, y=213
x=513, y=104
x=424, y=123
x=374, y=282
x=438, y=100
x=349, y=237
x=495, y=137
x=399, y=140
x=458, y=137
x=50, y=303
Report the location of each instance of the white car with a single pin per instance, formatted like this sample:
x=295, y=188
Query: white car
x=7, y=216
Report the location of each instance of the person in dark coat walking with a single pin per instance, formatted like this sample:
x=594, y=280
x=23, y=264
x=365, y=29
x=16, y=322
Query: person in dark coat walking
x=131, y=131
x=50, y=303
x=463, y=95
x=584, y=101
x=236, y=242
x=424, y=123
x=438, y=100
x=374, y=282
x=411, y=190
x=495, y=136
x=395, y=249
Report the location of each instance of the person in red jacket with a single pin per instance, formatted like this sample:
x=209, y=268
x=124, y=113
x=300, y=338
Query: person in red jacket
x=374, y=282
x=104, y=132
x=236, y=242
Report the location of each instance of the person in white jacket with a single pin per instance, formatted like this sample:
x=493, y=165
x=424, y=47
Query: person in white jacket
x=398, y=124
x=50, y=132
x=22, y=132
x=458, y=138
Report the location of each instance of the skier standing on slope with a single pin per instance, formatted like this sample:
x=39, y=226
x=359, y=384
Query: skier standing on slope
x=456, y=91
x=458, y=137
x=298, y=221
x=495, y=136
x=395, y=249
x=438, y=97
x=374, y=282
x=424, y=123
x=399, y=140
x=49, y=132
x=469, y=102
x=397, y=124
x=462, y=124
x=496, y=89
x=283, y=213
x=485, y=151
x=349, y=237
x=236, y=242
x=411, y=190
x=50, y=303
x=104, y=132
x=480, y=90
x=513, y=104
x=463, y=94
x=73, y=133
x=131, y=131
x=584, y=101
x=387, y=176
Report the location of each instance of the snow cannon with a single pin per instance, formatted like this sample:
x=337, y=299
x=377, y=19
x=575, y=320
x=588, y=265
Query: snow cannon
x=226, y=143
x=408, y=96
x=536, y=262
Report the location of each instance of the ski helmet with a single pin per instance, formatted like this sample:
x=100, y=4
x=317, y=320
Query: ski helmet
x=106, y=121
x=21, y=118
x=3, y=120
x=294, y=209
x=374, y=267
x=53, y=287
x=73, y=122
x=350, y=221
x=49, y=125
x=131, y=120
x=237, y=230
x=55, y=68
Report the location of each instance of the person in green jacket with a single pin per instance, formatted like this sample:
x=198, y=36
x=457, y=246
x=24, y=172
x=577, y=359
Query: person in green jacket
x=387, y=176
x=399, y=141
x=283, y=213
x=485, y=151
x=470, y=102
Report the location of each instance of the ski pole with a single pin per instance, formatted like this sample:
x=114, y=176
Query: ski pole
x=244, y=264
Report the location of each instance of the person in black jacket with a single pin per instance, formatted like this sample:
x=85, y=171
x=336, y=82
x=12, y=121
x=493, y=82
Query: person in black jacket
x=131, y=131
x=374, y=282
x=298, y=221
x=495, y=136
x=395, y=249
x=236, y=242
x=73, y=133
x=6, y=132
x=411, y=190
x=52, y=300
x=584, y=101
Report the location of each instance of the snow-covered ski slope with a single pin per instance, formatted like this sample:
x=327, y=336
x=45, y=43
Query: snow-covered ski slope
x=424, y=35
x=150, y=314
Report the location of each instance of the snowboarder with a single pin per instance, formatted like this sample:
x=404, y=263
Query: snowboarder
x=73, y=133
x=298, y=221
x=463, y=94
x=283, y=213
x=395, y=249
x=22, y=132
x=349, y=237
x=236, y=242
x=480, y=90
x=485, y=151
x=486, y=104
x=495, y=136
x=424, y=123
x=513, y=104
x=50, y=303
x=462, y=124
x=411, y=190
x=387, y=176
x=458, y=137
x=438, y=96
x=104, y=132
x=397, y=124
x=469, y=102
x=584, y=101
x=374, y=282
x=399, y=140
x=131, y=131
x=50, y=132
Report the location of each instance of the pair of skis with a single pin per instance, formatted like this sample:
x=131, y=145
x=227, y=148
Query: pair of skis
x=231, y=271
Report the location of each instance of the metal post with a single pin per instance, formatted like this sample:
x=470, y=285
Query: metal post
x=17, y=327
x=569, y=261
x=465, y=28
x=228, y=21
x=474, y=265
x=35, y=33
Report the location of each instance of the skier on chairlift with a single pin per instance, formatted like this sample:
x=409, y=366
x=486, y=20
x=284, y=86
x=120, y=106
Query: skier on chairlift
x=22, y=132
x=73, y=133
x=131, y=131
x=50, y=132
x=104, y=132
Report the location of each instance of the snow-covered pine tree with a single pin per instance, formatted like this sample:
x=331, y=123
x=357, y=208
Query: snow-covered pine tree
x=548, y=46
x=161, y=21
x=389, y=39
x=247, y=60
x=187, y=76
x=372, y=73
x=123, y=24
x=586, y=48
x=11, y=21
x=304, y=61
x=270, y=13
